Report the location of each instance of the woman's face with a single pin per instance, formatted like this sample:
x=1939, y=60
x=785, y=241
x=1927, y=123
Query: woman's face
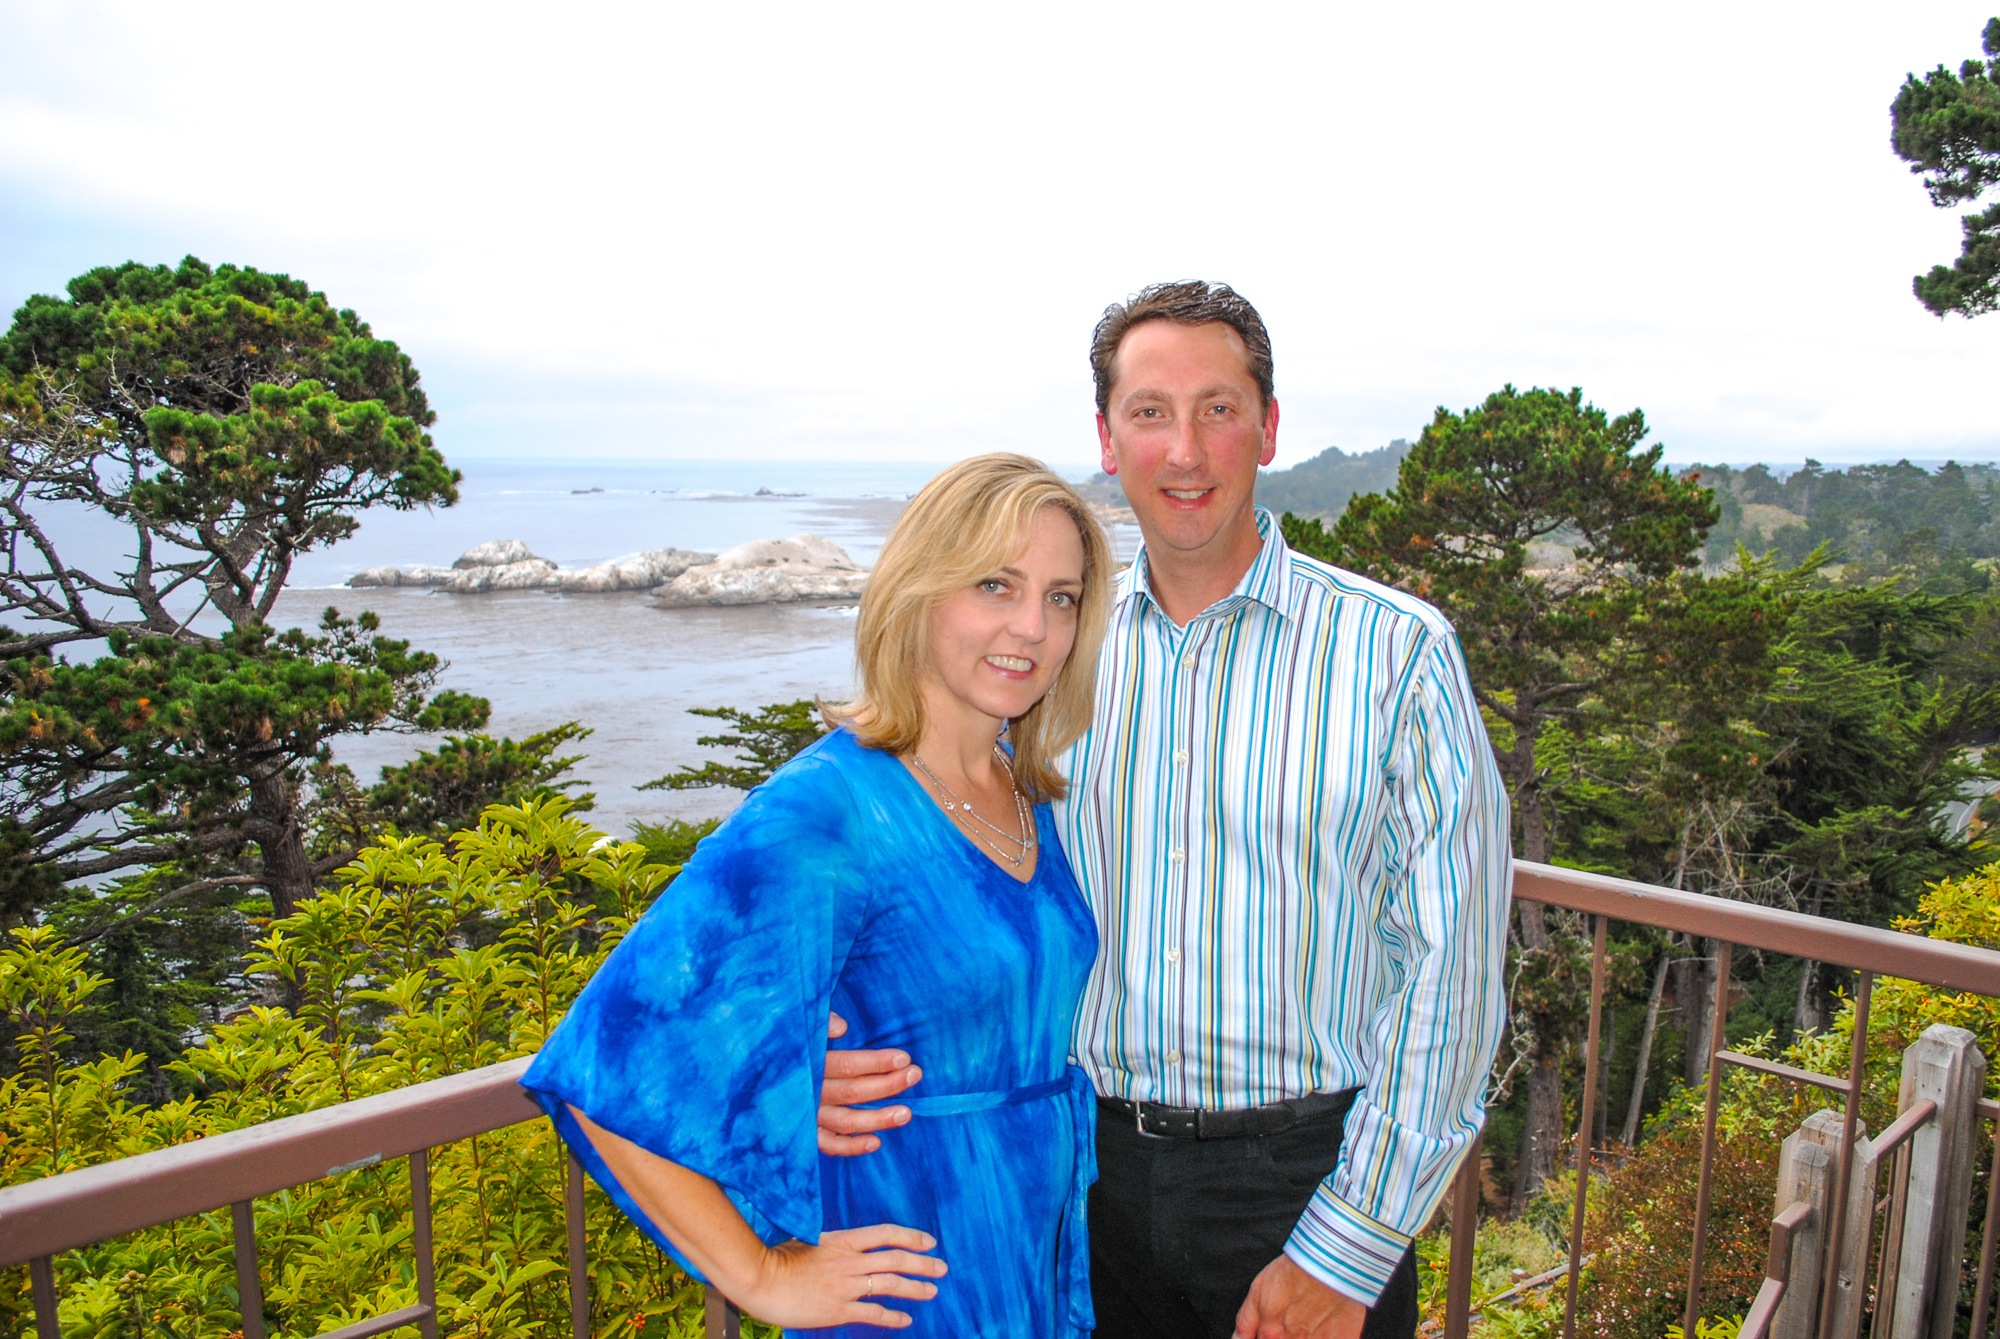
x=997, y=645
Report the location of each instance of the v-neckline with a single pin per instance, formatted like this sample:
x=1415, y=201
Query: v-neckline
x=938, y=814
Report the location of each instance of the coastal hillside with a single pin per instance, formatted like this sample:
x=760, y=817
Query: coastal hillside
x=1319, y=486
x=1864, y=513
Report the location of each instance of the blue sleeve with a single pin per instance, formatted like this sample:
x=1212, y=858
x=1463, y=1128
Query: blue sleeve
x=702, y=1038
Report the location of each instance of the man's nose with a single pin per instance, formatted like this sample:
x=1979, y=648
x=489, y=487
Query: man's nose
x=1184, y=450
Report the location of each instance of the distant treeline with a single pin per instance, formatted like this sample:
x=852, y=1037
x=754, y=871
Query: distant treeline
x=1871, y=514
x=1887, y=513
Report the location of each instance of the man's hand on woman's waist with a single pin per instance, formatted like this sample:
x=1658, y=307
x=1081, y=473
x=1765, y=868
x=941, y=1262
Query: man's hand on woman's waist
x=846, y=1129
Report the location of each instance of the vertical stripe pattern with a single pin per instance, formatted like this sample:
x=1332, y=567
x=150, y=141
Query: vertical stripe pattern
x=1289, y=823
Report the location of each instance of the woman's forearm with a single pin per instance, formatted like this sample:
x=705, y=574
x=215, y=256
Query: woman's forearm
x=690, y=1208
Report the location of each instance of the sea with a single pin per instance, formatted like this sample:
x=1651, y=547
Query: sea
x=625, y=668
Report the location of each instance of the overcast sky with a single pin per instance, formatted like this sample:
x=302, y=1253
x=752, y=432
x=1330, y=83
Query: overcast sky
x=884, y=231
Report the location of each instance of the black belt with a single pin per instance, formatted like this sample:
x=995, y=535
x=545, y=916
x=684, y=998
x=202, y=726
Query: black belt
x=1167, y=1122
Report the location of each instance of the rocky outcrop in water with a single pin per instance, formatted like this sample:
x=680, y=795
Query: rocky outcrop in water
x=769, y=571
x=508, y=564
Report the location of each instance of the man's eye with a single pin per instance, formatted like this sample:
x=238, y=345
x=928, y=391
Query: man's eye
x=1218, y=409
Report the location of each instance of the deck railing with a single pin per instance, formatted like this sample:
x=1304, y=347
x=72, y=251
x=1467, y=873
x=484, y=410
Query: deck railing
x=1866, y=951
x=42, y=1219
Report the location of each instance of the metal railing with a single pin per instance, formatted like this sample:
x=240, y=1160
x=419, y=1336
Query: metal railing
x=42, y=1219
x=1862, y=949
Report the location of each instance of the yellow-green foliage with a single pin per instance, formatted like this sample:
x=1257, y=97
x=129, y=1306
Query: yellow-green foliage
x=426, y=959
x=1964, y=910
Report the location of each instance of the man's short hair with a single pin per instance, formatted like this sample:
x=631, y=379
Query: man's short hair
x=1191, y=302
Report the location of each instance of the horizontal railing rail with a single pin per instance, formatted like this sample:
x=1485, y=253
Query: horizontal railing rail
x=42, y=1219
x=62, y=1213
x=1861, y=948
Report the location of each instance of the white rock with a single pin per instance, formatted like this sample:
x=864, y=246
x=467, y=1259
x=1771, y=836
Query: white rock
x=769, y=571
x=636, y=571
x=812, y=551
x=533, y=574
x=507, y=564
x=498, y=553
x=402, y=576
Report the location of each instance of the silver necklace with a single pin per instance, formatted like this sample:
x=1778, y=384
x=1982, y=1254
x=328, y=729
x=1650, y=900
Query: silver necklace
x=961, y=808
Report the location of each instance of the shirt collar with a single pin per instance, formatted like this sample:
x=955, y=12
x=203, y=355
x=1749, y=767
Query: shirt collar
x=1268, y=582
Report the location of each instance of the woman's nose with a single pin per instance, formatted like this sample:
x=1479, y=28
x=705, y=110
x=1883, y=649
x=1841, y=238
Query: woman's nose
x=1030, y=621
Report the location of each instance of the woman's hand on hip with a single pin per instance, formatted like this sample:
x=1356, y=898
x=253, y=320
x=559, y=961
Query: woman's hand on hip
x=810, y=1287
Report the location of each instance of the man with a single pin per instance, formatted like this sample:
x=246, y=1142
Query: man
x=1289, y=822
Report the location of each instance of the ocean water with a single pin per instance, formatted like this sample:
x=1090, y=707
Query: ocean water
x=620, y=665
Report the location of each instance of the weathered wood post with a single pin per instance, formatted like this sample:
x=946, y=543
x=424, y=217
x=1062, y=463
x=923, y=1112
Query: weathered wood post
x=1823, y=1128
x=1942, y=1066
x=1805, y=1176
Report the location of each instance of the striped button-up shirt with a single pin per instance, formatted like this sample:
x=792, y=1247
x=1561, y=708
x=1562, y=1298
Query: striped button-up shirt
x=1288, y=819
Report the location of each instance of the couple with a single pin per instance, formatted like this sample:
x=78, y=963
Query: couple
x=1224, y=828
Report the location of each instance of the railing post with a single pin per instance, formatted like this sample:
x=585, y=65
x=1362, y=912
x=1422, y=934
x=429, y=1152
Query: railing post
x=1944, y=1066
x=421, y=1241
x=1586, y=1125
x=1850, y=1134
x=1464, y=1241
x=249, y=1288
x=1805, y=1176
x=42, y=1278
x=1982, y=1295
x=719, y=1317
x=1718, y=1022
x=1850, y=1256
x=579, y=1269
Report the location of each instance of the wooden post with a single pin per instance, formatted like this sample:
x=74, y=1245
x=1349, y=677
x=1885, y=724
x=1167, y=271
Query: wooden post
x=720, y=1318
x=1805, y=1176
x=1944, y=1066
x=1850, y=1277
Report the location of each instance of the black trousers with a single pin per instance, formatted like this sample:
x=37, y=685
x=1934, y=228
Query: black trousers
x=1180, y=1227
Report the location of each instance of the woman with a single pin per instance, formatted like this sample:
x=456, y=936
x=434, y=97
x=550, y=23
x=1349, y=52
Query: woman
x=904, y=872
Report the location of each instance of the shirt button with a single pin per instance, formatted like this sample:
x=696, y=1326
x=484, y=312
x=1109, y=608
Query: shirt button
x=1180, y=757
x=1173, y=1057
x=1187, y=662
x=1173, y=955
x=1177, y=855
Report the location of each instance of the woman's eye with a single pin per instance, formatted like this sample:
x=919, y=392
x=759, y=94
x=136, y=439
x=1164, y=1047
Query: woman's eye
x=993, y=585
x=1062, y=599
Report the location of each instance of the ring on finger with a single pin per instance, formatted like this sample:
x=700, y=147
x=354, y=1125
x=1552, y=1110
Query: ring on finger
x=870, y=1290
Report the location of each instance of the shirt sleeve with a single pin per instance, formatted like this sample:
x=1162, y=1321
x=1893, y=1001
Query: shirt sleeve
x=702, y=1038
x=1442, y=926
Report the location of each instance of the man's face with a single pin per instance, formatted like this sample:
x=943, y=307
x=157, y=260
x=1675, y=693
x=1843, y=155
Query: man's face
x=1185, y=431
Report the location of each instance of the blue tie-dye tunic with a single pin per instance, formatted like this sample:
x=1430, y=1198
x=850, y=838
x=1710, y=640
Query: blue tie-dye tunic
x=839, y=884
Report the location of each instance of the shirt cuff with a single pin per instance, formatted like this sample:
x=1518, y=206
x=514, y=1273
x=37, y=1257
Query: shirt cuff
x=1346, y=1249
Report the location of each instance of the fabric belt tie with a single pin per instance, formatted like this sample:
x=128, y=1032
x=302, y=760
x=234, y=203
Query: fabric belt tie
x=1073, y=1241
x=1157, y=1119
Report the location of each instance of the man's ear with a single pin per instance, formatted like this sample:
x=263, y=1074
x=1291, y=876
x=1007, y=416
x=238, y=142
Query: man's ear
x=1270, y=451
x=1107, y=458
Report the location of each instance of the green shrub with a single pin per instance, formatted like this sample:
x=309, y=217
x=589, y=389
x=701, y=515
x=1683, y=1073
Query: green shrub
x=428, y=958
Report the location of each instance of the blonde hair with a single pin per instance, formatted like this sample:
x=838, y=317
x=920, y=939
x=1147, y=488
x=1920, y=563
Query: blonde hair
x=965, y=524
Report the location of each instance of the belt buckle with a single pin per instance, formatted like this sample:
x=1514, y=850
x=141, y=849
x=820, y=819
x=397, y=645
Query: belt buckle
x=1139, y=1123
